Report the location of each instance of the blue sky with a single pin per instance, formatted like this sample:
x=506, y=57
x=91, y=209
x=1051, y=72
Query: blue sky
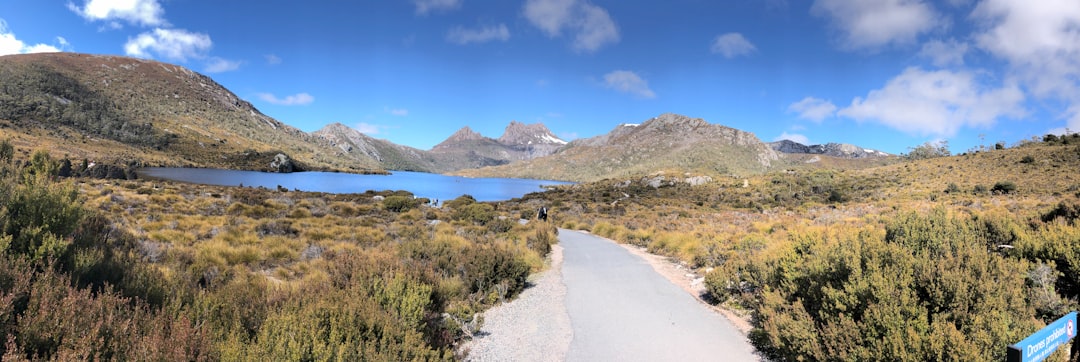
x=885, y=74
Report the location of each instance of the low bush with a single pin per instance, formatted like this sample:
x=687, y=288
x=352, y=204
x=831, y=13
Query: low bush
x=1004, y=187
x=400, y=203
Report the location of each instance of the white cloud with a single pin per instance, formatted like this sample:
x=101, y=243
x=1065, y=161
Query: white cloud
x=944, y=53
x=463, y=36
x=298, y=99
x=40, y=48
x=591, y=26
x=794, y=137
x=172, y=44
x=400, y=112
x=423, y=7
x=595, y=29
x=369, y=129
x=628, y=82
x=1039, y=39
x=876, y=23
x=138, y=12
x=10, y=44
x=220, y=65
x=936, y=103
x=814, y=109
x=272, y=59
x=732, y=45
x=551, y=16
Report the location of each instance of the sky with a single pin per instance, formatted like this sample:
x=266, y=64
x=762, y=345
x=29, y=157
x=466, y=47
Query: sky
x=883, y=74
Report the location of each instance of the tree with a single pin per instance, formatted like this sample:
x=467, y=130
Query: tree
x=929, y=150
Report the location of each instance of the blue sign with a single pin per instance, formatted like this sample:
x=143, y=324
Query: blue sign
x=1040, y=345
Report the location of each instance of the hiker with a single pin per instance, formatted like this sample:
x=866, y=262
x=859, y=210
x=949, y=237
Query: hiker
x=542, y=213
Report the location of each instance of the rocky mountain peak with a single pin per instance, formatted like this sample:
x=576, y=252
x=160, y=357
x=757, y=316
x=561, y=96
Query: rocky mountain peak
x=518, y=133
x=466, y=133
x=842, y=150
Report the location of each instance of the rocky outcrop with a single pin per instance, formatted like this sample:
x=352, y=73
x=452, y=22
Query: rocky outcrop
x=841, y=150
x=468, y=149
x=282, y=164
x=517, y=133
x=391, y=156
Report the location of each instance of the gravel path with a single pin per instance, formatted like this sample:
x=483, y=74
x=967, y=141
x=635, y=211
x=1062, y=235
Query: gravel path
x=600, y=302
x=532, y=327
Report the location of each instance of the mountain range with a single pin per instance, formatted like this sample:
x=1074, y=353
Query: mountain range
x=462, y=150
x=119, y=110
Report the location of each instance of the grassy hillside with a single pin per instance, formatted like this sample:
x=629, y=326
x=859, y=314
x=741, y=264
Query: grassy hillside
x=152, y=113
x=949, y=258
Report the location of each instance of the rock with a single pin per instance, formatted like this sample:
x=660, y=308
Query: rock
x=282, y=164
x=654, y=182
x=698, y=180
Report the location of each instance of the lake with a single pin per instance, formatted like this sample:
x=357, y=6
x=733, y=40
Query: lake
x=429, y=185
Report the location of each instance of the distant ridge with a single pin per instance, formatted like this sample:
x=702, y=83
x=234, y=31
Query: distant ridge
x=667, y=142
x=841, y=150
x=462, y=150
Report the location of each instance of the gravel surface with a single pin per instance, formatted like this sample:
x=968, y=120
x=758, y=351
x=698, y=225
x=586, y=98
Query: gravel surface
x=532, y=327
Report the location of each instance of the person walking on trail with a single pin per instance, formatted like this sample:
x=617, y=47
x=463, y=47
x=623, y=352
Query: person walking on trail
x=542, y=213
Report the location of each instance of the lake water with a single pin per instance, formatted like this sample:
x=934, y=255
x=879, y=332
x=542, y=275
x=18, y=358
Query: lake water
x=429, y=185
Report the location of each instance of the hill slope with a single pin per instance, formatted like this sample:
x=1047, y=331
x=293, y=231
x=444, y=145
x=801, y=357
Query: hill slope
x=119, y=109
x=667, y=142
x=391, y=156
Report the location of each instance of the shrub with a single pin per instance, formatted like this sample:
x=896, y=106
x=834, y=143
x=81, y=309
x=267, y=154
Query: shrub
x=980, y=190
x=38, y=219
x=952, y=188
x=837, y=196
x=1027, y=159
x=400, y=203
x=7, y=151
x=1069, y=211
x=461, y=201
x=1004, y=187
x=476, y=213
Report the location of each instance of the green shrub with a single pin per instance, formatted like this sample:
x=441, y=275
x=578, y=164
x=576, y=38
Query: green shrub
x=952, y=188
x=1004, y=187
x=476, y=213
x=400, y=203
x=461, y=201
x=868, y=297
x=7, y=151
